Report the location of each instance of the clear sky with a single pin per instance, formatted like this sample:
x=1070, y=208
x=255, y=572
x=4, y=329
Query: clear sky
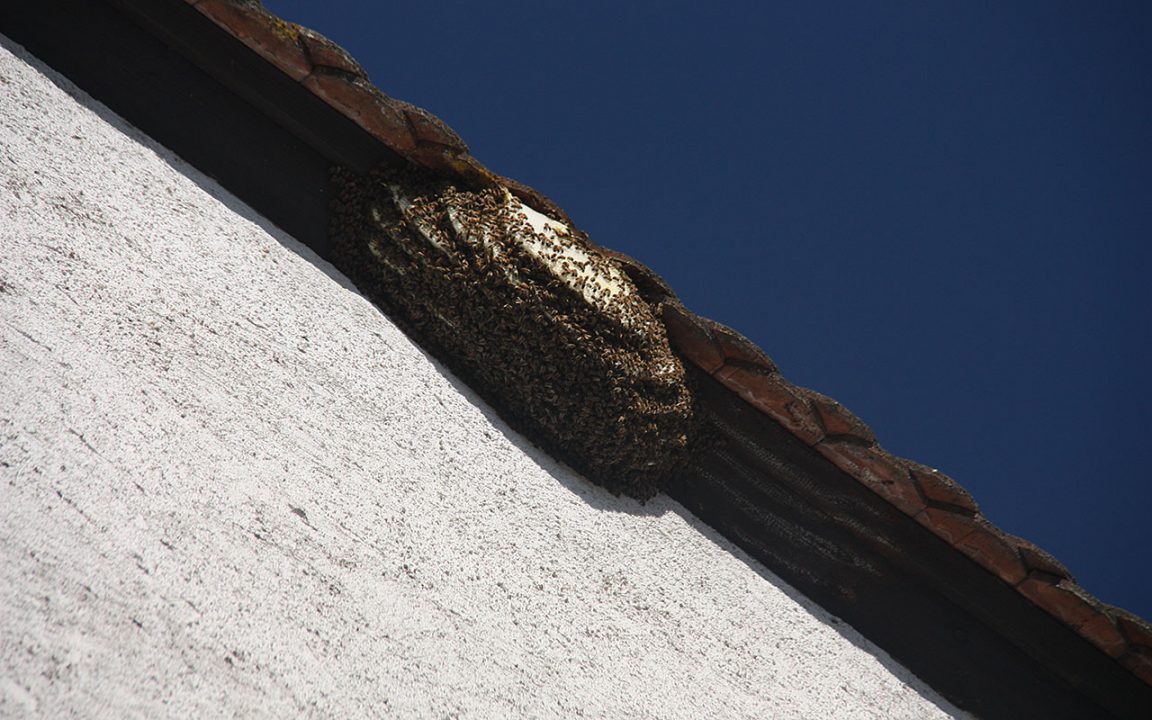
x=937, y=213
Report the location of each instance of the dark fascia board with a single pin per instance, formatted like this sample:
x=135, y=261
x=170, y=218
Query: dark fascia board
x=895, y=549
x=172, y=73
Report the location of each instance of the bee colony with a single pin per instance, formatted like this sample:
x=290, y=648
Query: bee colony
x=531, y=314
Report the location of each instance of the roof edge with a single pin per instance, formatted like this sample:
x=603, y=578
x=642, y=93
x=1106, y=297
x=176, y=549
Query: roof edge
x=933, y=499
x=930, y=498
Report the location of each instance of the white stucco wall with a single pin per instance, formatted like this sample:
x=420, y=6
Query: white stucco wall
x=230, y=487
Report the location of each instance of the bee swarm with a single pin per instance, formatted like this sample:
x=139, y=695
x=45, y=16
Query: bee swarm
x=531, y=314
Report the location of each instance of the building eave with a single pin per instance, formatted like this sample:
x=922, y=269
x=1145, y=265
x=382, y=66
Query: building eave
x=896, y=549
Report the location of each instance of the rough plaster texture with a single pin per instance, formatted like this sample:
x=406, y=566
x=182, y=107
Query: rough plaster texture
x=230, y=487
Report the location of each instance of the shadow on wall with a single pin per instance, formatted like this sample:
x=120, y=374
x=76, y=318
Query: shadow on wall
x=212, y=187
x=594, y=495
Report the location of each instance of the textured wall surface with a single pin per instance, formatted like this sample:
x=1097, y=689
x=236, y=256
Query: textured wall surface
x=229, y=486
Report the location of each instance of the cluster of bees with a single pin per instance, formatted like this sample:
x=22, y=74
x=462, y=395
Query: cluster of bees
x=528, y=312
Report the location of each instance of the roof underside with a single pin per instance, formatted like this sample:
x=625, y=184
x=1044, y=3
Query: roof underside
x=896, y=549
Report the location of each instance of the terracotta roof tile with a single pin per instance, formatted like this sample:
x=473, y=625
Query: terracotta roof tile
x=940, y=490
x=931, y=498
x=1038, y=559
x=1135, y=629
x=692, y=338
x=775, y=397
x=1102, y=632
x=365, y=105
x=1067, y=601
x=275, y=40
x=1137, y=633
x=950, y=526
x=427, y=129
x=322, y=52
x=839, y=423
x=737, y=349
x=879, y=471
x=995, y=550
x=332, y=74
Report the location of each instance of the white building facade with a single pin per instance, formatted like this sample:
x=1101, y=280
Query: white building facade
x=229, y=486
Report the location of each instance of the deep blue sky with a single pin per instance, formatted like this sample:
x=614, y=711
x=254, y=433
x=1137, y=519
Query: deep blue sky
x=937, y=213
